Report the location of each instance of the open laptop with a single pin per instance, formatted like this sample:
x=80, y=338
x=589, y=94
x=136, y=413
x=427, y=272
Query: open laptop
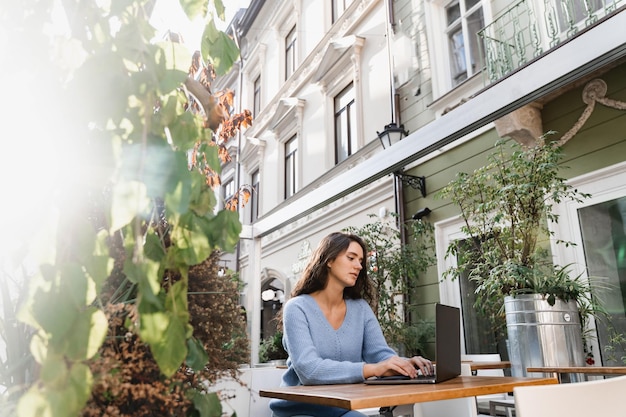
x=447, y=351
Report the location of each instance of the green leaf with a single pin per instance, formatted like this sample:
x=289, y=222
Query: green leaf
x=63, y=401
x=186, y=130
x=176, y=300
x=105, y=99
x=88, y=333
x=194, y=8
x=177, y=62
x=152, y=326
x=197, y=357
x=218, y=48
x=155, y=166
x=145, y=273
x=81, y=382
x=208, y=404
x=172, y=107
x=178, y=200
x=171, y=348
x=129, y=200
x=38, y=348
x=34, y=403
x=75, y=284
x=54, y=372
x=153, y=248
x=219, y=8
x=54, y=311
x=223, y=230
x=190, y=239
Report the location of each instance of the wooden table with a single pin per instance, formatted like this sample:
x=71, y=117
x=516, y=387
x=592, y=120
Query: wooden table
x=477, y=366
x=559, y=371
x=359, y=396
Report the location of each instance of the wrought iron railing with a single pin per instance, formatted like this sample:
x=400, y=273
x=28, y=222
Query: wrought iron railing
x=531, y=27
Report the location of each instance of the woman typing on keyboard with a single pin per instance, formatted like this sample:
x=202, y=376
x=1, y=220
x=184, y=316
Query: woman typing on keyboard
x=330, y=331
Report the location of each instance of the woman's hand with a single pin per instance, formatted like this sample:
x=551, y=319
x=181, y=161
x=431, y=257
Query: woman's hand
x=423, y=364
x=396, y=365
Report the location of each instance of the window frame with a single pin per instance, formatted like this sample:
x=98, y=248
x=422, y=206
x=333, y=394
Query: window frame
x=345, y=113
x=338, y=8
x=256, y=96
x=228, y=191
x=462, y=23
x=291, y=167
x=255, y=194
x=340, y=66
x=291, y=52
x=437, y=31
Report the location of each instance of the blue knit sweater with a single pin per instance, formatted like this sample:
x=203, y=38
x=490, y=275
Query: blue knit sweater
x=319, y=354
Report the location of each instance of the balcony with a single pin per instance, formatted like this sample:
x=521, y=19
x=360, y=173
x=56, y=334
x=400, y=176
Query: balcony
x=530, y=28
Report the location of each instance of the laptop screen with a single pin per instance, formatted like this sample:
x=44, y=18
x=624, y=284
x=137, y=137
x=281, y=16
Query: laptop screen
x=448, y=341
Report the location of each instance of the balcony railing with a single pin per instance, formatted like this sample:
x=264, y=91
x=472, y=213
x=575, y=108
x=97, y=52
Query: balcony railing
x=531, y=27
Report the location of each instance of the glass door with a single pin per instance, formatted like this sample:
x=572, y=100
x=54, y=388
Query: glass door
x=598, y=226
x=603, y=230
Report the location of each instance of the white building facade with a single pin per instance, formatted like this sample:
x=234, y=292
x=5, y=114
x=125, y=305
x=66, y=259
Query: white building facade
x=323, y=78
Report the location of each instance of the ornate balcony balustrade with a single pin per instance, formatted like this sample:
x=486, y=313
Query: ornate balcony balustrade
x=529, y=28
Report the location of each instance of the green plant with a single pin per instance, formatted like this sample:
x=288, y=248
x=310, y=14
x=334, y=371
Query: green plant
x=616, y=343
x=271, y=348
x=127, y=379
x=138, y=139
x=394, y=268
x=17, y=366
x=506, y=206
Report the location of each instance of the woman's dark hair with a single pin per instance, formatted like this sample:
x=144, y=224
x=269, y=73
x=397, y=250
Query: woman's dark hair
x=315, y=275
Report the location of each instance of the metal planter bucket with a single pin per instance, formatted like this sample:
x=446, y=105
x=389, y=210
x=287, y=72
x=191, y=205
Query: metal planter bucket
x=543, y=335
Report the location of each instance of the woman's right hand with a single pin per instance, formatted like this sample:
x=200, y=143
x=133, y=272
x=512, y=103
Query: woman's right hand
x=395, y=365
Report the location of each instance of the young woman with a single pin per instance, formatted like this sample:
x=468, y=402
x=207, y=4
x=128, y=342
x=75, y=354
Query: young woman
x=330, y=331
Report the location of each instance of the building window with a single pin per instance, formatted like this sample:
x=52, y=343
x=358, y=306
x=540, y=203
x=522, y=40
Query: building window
x=256, y=100
x=464, y=18
x=228, y=192
x=291, y=178
x=345, y=124
x=483, y=334
x=290, y=53
x=254, y=198
x=340, y=6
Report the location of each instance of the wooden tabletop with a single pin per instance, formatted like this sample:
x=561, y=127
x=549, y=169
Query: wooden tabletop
x=592, y=370
x=476, y=366
x=356, y=396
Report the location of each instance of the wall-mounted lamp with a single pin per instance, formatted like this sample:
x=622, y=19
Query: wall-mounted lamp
x=422, y=213
x=416, y=182
x=392, y=134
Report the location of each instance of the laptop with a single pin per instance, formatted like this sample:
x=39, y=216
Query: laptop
x=447, y=351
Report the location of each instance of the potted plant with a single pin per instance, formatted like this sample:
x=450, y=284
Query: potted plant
x=272, y=350
x=506, y=207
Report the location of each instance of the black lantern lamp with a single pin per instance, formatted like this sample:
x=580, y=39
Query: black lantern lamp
x=391, y=135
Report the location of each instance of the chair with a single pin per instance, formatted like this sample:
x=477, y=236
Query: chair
x=263, y=378
x=578, y=399
x=492, y=404
x=458, y=407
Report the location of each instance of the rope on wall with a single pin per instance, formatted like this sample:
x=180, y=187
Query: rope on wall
x=594, y=92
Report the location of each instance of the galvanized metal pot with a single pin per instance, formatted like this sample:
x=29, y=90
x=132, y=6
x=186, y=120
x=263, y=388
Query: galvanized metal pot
x=542, y=335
